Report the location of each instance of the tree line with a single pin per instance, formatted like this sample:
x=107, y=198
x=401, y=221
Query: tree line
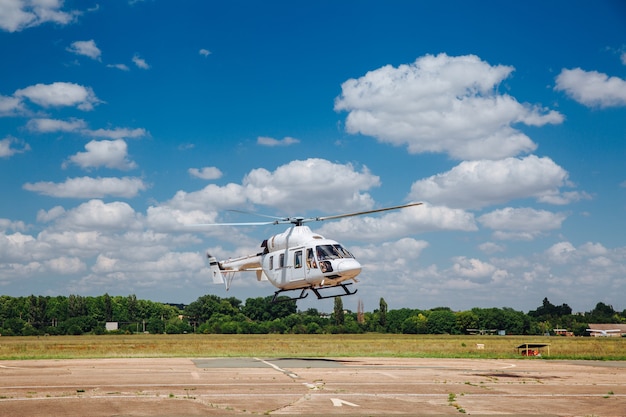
x=76, y=315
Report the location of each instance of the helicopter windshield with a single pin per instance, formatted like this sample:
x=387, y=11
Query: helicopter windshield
x=332, y=252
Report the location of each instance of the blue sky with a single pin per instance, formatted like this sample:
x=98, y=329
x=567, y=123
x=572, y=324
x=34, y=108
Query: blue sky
x=122, y=122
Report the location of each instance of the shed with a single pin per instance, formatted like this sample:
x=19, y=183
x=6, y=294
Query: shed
x=533, y=349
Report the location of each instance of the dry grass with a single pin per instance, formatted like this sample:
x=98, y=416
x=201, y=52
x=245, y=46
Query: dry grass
x=370, y=345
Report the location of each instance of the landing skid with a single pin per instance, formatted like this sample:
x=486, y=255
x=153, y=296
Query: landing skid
x=317, y=291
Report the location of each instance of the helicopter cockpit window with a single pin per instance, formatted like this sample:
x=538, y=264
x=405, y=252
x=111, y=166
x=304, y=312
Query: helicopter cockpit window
x=345, y=253
x=297, y=259
x=332, y=252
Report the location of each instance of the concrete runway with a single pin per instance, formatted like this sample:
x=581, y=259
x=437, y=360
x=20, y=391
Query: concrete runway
x=346, y=386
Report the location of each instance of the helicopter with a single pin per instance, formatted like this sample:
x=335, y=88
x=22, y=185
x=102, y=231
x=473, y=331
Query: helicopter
x=297, y=259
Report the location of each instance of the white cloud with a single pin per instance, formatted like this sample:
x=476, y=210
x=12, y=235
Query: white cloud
x=86, y=48
x=140, y=62
x=491, y=248
x=65, y=265
x=521, y=223
x=118, y=133
x=267, y=141
x=475, y=184
x=121, y=67
x=87, y=187
x=395, y=255
x=560, y=252
x=473, y=269
x=17, y=15
x=98, y=215
x=10, y=106
x=205, y=173
x=204, y=52
x=44, y=125
x=442, y=104
x=60, y=94
x=49, y=215
x=10, y=146
x=167, y=218
x=292, y=189
x=301, y=185
x=592, y=88
x=104, y=153
x=400, y=223
x=8, y=224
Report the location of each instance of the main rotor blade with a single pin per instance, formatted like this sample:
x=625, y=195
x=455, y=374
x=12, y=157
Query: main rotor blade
x=256, y=214
x=360, y=213
x=233, y=224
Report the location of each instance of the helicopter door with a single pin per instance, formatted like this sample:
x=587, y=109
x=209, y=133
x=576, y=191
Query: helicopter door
x=297, y=270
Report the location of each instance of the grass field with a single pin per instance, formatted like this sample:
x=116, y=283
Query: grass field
x=363, y=345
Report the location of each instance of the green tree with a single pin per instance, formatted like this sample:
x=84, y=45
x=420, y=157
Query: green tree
x=208, y=305
x=263, y=309
x=442, y=321
x=382, y=311
x=417, y=324
x=76, y=306
x=338, y=314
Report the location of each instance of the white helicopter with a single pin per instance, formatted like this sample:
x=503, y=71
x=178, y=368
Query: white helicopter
x=297, y=259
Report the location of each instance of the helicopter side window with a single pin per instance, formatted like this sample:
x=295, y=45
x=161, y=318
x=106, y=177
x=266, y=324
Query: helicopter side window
x=271, y=262
x=281, y=260
x=297, y=259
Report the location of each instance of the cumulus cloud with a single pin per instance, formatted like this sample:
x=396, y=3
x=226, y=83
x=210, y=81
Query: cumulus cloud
x=60, y=94
x=85, y=48
x=442, y=104
x=267, y=141
x=521, y=223
x=104, y=153
x=292, y=189
x=204, y=52
x=87, y=187
x=205, y=173
x=302, y=184
x=400, y=223
x=476, y=184
x=65, y=265
x=17, y=15
x=592, y=88
x=98, y=215
x=10, y=106
x=474, y=269
x=10, y=146
x=8, y=224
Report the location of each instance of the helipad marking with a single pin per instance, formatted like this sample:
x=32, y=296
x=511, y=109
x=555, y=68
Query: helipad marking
x=337, y=402
x=279, y=369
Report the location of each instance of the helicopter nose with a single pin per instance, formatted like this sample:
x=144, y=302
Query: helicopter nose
x=348, y=268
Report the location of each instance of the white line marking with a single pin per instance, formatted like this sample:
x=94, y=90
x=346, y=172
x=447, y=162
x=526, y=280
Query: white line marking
x=279, y=369
x=339, y=402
